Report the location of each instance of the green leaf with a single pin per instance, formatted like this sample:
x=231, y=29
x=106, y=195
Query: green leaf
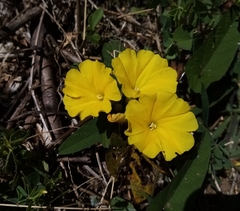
x=32, y=179
x=18, y=136
x=213, y=58
x=167, y=40
x=218, y=153
x=183, y=38
x=94, y=38
x=104, y=128
x=153, y=3
x=21, y=192
x=138, y=9
x=221, y=128
x=83, y=138
x=166, y=23
x=95, y=18
x=111, y=50
x=205, y=105
x=119, y=204
x=186, y=183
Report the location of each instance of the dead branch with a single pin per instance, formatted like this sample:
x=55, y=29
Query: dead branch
x=50, y=97
x=29, y=15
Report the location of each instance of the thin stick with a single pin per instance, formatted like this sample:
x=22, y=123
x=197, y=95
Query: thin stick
x=62, y=30
x=54, y=208
x=100, y=167
x=84, y=20
x=234, y=183
x=105, y=190
x=135, y=13
x=87, y=168
x=45, y=128
x=110, y=22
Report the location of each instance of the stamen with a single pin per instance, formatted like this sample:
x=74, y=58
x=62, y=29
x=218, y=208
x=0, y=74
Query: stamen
x=136, y=89
x=100, y=97
x=152, y=126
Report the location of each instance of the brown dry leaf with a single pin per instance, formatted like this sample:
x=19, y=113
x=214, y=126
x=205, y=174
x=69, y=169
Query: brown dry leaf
x=116, y=155
x=68, y=37
x=139, y=191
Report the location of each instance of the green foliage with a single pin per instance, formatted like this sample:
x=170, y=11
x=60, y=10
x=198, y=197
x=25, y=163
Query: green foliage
x=105, y=129
x=196, y=34
x=119, y=204
x=10, y=141
x=205, y=105
x=83, y=138
x=28, y=172
x=183, y=38
x=93, y=20
x=186, y=183
x=138, y=10
x=211, y=61
x=111, y=50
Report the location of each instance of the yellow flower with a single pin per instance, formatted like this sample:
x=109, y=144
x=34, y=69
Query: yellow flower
x=144, y=73
x=89, y=91
x=160, y=123
x=118, y=118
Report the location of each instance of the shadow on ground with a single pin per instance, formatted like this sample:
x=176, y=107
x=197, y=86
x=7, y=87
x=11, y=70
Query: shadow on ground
x=213, y=202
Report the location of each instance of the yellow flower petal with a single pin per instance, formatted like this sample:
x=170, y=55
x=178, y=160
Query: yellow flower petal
x=160, y=123
x=176, y=122
x=72, y=86
x=89, y=90
x=138, y=115
x=125, y=62
x=90, y=109
x=144, y=73
x=152, y=148
x=85, y=106
x=174, y=142
x=138, y=139
x=110, y=91
x=118, y=117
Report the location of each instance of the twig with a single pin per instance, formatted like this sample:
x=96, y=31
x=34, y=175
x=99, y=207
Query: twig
x=100, y=168
x=127, y=18
x=135, y=13
x=159, y=47
x=54, y=208
x=19, y=21
x=34, y=59
x=62, y=30
x=66, y=55
x=74, y=159
x=73, y=184
x=110, y=22
x=19, y=109
x=36, y=113
x=111, y=180
x=216, y=183
x=221, y=118
x=49, y=97
x=86, y=167
x=78, y=20
x=234, y=183
x=66, y=134
x=64, y=169
x=13, y=105
x=84, y=20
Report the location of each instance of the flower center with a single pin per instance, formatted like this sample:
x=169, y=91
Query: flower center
x=136, y=89
x=152, y=126
x=100, y=97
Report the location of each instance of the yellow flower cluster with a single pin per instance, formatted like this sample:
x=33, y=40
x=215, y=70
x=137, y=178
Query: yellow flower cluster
x=158, y=121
